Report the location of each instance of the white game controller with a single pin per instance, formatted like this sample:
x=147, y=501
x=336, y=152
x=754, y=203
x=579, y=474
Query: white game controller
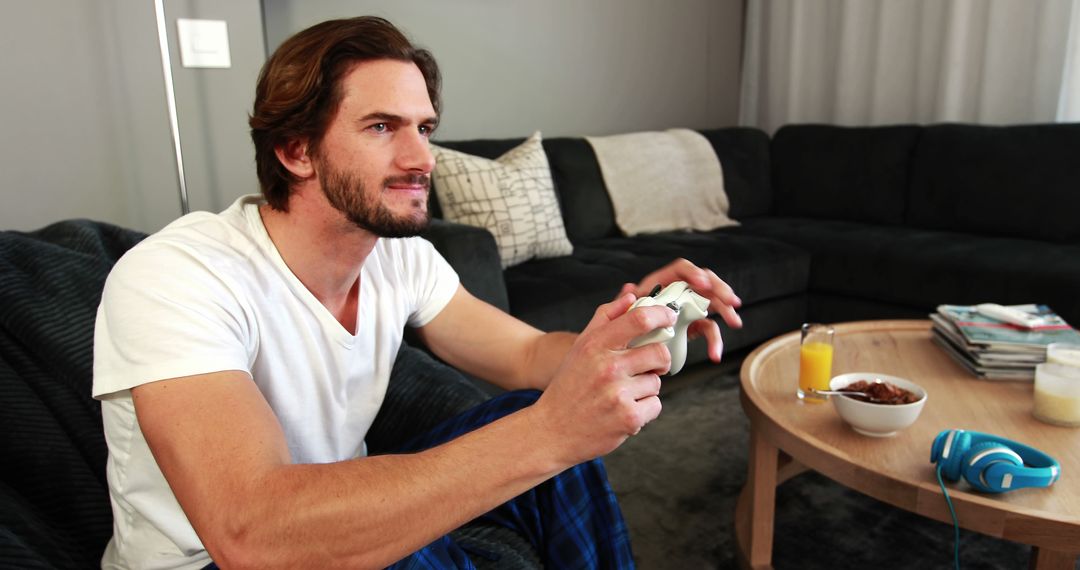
x=689, y=306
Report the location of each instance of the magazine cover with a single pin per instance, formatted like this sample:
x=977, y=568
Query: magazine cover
x=978, y=329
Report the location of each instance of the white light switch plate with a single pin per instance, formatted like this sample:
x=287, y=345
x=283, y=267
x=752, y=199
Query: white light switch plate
x=203, y=43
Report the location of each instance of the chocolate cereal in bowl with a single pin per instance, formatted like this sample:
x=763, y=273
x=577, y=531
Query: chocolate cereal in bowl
x=884, y=404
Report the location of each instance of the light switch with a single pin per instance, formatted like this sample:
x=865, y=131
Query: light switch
x=203, y=43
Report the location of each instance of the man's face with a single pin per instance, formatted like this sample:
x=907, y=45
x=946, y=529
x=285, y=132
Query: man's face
x=373, y=163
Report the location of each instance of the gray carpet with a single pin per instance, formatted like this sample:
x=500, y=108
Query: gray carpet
x=678, y=480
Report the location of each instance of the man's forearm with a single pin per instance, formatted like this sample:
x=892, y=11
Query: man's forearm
x=545, y=355
x=373, y=511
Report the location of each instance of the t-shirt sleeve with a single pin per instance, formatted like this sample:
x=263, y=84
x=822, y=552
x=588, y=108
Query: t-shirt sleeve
x=152, y=324
x=433, y=280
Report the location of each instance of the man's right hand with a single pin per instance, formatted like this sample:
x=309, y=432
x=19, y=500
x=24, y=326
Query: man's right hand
x=604, y=392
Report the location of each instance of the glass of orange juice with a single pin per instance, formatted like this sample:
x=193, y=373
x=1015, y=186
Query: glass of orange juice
x=815, y=360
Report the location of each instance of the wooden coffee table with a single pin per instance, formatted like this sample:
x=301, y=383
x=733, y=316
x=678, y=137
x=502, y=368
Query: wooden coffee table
x=788, y=436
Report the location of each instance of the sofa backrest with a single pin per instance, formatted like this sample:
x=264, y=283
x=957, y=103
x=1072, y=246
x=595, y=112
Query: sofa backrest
x=744, y=158
x=843, y=173
x=1021, y=181
x=586, y=208
x=579, y=184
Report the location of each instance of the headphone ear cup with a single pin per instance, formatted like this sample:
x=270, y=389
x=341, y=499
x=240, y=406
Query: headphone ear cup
x=952, y=466
x=981, y=456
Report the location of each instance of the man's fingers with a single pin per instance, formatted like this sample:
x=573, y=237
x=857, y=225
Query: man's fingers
x=721, y=291
x=643, y=386
x=628, y=288
x=711, y=331
x=654, y=358
x=613, y=326
x=722, y=299
x=732, y=318
x=705, y=282
x=610, y=311
x=635, y=323
x=648, y=409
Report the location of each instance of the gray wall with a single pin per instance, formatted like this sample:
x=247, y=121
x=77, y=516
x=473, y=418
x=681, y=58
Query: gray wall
x=565, y=67
x=86, y=131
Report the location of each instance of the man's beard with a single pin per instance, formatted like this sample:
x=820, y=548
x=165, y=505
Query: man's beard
x=346, y=193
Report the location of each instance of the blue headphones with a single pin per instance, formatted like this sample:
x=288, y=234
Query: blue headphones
x=990, y=463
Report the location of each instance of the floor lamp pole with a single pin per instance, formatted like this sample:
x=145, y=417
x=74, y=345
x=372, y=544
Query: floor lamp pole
x=170, y=99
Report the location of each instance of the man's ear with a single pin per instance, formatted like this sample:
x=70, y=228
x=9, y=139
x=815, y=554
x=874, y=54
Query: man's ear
x=294, y=156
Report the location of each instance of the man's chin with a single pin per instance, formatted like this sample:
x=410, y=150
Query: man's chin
x=388, y=227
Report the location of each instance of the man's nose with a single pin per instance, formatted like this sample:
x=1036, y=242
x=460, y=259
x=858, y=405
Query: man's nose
x=414, y=154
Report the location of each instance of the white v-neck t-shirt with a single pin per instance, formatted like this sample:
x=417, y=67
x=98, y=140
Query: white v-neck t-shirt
x=210, y=293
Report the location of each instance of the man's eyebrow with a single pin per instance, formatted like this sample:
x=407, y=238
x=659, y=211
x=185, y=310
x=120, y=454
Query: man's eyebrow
x=392, y=118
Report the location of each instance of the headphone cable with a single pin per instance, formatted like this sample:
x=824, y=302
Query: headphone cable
x=956, y=523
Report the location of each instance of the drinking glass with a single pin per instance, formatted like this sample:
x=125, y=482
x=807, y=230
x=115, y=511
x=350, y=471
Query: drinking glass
x=815, y=360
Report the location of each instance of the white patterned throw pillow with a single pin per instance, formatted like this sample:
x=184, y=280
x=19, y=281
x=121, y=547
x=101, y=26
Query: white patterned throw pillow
x=513, y=197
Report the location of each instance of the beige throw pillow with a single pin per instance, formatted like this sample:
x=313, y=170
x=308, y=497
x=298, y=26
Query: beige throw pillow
x=513, y=197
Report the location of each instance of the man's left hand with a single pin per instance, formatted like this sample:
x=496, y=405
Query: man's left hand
x=722, y=299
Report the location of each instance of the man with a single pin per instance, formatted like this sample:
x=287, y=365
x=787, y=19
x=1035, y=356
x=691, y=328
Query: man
x=241, y=357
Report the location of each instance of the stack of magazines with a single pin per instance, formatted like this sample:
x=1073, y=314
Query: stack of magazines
x=995, y=350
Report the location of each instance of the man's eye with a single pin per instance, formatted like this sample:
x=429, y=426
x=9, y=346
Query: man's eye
x=380, y=127
x=426, y=130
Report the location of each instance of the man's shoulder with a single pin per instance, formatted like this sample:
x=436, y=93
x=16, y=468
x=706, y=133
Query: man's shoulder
x=215, y=246
x=199, y=235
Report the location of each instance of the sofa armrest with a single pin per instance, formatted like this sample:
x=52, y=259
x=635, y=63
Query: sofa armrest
x=472, y=252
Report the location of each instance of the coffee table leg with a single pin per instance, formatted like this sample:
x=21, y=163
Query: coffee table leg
x=754, y=512
x=1043, y=559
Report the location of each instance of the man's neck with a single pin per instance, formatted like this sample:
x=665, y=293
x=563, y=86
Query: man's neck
x=323, y=249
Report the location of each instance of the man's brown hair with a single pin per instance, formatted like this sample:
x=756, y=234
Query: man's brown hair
x=299, y=89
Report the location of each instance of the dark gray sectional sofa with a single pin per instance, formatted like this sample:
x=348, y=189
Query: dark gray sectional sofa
x=837, y=223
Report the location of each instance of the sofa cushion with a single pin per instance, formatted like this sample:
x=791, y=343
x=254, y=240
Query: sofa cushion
x=512, y=196
x=924, y=268
x=563, y=293
x=1016, y=181
x=843, y=173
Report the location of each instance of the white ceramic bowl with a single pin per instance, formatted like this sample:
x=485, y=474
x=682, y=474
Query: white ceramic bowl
x=876, y=420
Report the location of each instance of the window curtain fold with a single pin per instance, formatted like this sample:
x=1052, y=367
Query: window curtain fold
x=872, y=62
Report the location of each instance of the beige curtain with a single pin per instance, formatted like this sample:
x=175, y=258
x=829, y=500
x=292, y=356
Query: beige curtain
x=872, y=62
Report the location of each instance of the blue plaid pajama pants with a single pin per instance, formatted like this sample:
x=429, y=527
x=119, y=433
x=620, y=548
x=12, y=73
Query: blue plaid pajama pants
x=572, y=519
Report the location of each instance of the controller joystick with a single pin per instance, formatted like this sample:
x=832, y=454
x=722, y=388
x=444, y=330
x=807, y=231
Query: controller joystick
x=688, y=305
